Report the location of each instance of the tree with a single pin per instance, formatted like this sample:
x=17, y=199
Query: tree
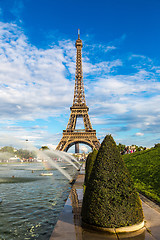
x=44, y=148
x=121, y=147
x=7, y=149
x=110, y=199
x=89, y=165
x=157, y=145
x=139, y=149
x=22, y=153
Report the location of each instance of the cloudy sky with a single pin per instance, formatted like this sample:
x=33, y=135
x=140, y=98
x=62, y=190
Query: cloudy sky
x=121, y=68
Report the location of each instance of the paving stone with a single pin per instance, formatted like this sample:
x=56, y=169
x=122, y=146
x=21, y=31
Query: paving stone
x=152, y=220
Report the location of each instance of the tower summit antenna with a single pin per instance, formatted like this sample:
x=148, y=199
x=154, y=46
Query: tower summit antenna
x=78, y=33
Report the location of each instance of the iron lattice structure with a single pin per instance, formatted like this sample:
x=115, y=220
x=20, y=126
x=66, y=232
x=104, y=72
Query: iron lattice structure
x=79, y=109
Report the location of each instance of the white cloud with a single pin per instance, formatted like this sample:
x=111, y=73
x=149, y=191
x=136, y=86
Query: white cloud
x=131, y=100
x=83, y=148
x=139, y=134
x=32, y=81
x=109, y=48
x=137, y=56
x=102, y=67
x=98, y=121
x=39, y=83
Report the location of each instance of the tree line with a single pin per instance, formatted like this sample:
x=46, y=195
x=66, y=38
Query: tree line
x=21, y=153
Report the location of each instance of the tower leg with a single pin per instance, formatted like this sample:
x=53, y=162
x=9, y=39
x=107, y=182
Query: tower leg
x=77, y=148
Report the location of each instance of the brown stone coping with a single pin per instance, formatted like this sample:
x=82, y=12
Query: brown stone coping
x=127, y=229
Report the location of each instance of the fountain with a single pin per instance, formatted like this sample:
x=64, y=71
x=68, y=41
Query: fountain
x=49, y=154
x=44, y=194
x=62, y=156
x=54, y=164
x=68, y=156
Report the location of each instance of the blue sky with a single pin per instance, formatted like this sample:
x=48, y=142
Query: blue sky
x=121, y=68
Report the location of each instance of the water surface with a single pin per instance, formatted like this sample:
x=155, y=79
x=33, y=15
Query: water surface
x=31, y=203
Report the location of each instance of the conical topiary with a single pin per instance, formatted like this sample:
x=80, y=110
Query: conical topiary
x=110, y=199
x=86, y=167
x=89, y=165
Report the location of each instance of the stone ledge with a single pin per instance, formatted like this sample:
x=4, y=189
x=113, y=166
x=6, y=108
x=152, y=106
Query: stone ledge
x=127, y=229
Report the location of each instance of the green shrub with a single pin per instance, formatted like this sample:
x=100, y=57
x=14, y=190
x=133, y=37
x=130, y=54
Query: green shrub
x=110, y=199
x=86, y=167
x=89, y=165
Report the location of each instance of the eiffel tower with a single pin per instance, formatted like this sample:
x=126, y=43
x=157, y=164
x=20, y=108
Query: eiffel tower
x=79, y=109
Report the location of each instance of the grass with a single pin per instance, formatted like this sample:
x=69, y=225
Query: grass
x=144, y=168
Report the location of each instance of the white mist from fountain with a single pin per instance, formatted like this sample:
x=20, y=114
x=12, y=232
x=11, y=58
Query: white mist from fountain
x=5, y=156
x=28, y=146
x=51, y=162
x=54, y=164
x=61, y=155
x=70, y=157
x=45, y=155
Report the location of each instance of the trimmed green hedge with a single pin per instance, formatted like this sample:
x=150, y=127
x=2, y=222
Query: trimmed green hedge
x=110, y=199
x=89, y=165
